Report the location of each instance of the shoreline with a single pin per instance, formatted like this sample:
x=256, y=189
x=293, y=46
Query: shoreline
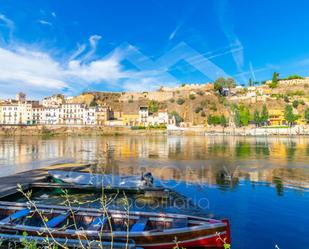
x=51, y=131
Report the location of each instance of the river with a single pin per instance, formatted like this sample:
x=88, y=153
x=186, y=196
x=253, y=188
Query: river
x=260, y=183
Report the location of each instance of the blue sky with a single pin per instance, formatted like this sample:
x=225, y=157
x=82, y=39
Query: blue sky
x=71, y=46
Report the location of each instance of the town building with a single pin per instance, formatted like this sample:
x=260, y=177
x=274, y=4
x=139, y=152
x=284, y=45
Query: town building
x=276, y=117
x=20, y=97
x=10, y=113
x=159, y=118
x=102, y=115
x=72, y=114
x=51, y=115
x=143, y=115
x=55, y=100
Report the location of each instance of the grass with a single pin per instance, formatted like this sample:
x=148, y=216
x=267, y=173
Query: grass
x=276, y=127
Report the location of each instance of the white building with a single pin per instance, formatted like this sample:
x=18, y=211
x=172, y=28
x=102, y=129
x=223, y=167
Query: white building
x=72, y=114
x=159, y=118
x=18, y=112
x=51, y=115
x=21, y=112
x=90, y=115
x=143, y=115
x=10, y=114
x=53, y=101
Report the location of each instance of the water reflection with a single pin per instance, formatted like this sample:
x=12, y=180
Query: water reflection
x=261, y=184
x=220, y=161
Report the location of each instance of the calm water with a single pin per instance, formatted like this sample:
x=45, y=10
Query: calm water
x=260, y=184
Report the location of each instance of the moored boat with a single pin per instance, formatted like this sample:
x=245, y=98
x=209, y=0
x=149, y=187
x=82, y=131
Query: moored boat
x=147, y=229
x=145, y=181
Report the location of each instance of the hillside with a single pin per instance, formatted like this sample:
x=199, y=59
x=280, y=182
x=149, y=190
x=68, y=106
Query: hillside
x=194, y=103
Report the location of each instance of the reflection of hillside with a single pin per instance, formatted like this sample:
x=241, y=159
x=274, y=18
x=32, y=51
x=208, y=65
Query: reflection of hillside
x=205, y=160
x=298, y=178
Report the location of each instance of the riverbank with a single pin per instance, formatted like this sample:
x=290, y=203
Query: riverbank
x=56, y=130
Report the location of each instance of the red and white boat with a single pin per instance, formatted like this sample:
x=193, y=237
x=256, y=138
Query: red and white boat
x=147, y=230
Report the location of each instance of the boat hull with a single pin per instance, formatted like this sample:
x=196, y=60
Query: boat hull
x=199, y=231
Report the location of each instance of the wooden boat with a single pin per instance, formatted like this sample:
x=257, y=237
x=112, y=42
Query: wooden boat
x=104, y=180
x=148, y=230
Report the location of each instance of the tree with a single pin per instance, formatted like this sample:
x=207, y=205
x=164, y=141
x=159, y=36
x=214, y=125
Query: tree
x=264, y=115
x=224, y=82
x=257, y=118
x=177, y=116
x=307, y=114
x=289, y=116
x=295, y=76
x=274, y=81
x=244, y=115
x=230, y=83
x=93, y=103
x=250, y=83
x=223, y=121
x=213, y=120
x=295, y=103
x=153, y=106
x=237, y=117
x=219, y=83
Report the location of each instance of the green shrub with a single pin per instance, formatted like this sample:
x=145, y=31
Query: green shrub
x=204, y=103
x=295, y=103
x=201, y=93
x=294, y=76
x=180, y=101
x=296, y=93
x=172, y=100
x=192, y=96
x=213, y=107
x=213, y=120
x=160, y=126
x=198, y=109
x=139, y=127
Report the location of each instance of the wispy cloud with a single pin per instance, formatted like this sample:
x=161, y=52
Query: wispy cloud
x=4, y=21
x=80, y=49
x=172, y=35
x=93, y=41
x=44, y=22
x=28, y=69
x=54, y=14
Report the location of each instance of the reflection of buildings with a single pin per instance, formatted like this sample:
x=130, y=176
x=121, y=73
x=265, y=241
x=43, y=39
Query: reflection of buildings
x=204, y=160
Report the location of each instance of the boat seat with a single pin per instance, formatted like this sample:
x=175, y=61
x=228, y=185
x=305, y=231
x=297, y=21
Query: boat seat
x=180, y=222
x=17, y=215
x=97, y=223
x=140, y=225
x=57, y=220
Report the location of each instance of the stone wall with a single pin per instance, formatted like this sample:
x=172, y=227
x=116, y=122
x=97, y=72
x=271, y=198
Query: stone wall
x=293, y=82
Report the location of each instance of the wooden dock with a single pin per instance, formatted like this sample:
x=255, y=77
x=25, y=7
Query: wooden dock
x=8, y=184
